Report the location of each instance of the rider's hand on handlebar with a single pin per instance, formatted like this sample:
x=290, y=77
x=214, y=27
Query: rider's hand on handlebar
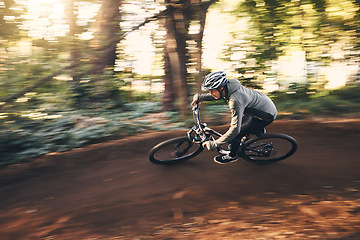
x=210, y=145
x=195, y=99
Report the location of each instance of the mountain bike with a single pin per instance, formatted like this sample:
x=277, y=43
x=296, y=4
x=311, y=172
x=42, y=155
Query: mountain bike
x=255, y=148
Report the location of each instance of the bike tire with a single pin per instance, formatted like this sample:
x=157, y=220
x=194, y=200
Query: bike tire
x=269, y=148
x=174, y=150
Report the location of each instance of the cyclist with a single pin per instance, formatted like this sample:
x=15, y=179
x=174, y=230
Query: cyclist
x=242, y=101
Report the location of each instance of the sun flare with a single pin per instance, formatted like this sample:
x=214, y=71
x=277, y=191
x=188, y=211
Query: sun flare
x=47, y=18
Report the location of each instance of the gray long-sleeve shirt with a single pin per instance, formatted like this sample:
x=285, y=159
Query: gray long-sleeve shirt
x=242, y=101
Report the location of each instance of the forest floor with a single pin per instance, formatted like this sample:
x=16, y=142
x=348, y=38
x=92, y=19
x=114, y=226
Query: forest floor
x=112, y=191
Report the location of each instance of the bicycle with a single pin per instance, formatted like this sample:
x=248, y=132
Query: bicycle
x=261, y=149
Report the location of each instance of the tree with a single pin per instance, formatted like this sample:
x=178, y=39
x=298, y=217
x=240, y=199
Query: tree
x=176, y=57
x=175, y=79
x=79, y=66
x=266, y=17
x=318, y=28
x=107, y=35
x=73, y=43
x=199, y=12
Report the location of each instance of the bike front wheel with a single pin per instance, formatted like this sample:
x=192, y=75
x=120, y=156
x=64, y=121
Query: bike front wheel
x=174, y=151
x=269, y=148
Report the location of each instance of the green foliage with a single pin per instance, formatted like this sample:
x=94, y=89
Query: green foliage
x=250, y=82
x=94, y=91
x=337, y=103
x=280, y=26
x=350, y=93
x=267, y=18
x=20, y=69
x=22, y=137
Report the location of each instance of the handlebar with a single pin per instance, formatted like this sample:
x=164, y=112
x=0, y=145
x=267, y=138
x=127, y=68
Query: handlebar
x=200, y=129
x=196, y=114
x=196, y=106
x=199, y=126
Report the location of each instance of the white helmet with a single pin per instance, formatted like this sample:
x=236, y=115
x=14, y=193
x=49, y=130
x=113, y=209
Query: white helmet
x=215, y=80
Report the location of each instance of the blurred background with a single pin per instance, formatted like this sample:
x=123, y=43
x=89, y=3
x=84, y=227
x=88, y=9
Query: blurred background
x=74, y=73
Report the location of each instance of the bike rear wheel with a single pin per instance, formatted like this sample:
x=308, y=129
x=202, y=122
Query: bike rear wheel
x=269, y=148
x=174, y=151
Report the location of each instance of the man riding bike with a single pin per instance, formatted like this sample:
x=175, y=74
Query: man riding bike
x=241, y=101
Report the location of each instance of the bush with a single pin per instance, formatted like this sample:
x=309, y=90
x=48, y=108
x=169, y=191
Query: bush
x=338, y=102
x=350, y=93
x=330, y=106
x=22, y=138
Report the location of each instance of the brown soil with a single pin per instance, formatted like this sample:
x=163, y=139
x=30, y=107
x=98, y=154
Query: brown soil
x=112, y=191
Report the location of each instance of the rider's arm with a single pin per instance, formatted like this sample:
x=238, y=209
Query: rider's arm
x=237, y=111
x=205, y=97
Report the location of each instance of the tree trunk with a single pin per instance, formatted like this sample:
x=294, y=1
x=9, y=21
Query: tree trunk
x=106, y=39
x=169, y=92
x=200, y=12
x=176, y=25
x=73, y=46
x=176, y=54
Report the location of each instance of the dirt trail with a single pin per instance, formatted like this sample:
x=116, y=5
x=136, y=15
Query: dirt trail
x=112, y=191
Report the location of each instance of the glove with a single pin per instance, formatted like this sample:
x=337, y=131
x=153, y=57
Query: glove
x=210, y=145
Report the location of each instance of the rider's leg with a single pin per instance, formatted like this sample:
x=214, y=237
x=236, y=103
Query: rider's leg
x=253, y=126
x=257, y=126
x=235, y=143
